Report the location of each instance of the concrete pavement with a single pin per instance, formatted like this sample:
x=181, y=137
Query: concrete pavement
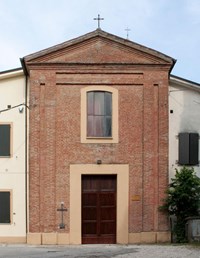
x=100, y=251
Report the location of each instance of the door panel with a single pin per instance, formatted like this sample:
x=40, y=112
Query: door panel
x=98, y=209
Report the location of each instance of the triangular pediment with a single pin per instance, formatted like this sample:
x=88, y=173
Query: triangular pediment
x=98, y=47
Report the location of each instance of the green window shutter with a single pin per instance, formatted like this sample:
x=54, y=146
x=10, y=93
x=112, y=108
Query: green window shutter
x=194, y=148
x=184, y=149
x=4, y=207
x=189, y=149
x=5, y=140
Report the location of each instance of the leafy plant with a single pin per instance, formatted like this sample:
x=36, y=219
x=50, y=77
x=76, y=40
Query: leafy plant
x=183, y=196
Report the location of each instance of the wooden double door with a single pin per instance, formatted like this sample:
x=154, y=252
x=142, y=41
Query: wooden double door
x=99, y=209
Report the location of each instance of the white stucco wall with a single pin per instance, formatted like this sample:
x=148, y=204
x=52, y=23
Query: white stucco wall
x=12, y=169
x=184, y=100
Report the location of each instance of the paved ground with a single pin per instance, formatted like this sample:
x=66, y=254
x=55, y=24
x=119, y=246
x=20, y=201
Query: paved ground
x=99, y=251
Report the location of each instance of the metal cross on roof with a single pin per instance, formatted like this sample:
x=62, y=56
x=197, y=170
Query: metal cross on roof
x=98, y=19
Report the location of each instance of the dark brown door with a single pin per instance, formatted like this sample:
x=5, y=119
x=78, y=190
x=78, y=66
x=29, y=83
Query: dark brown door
x=98, y=209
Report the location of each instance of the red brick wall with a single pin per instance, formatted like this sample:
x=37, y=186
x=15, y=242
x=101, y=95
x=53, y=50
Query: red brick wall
x=55, y=142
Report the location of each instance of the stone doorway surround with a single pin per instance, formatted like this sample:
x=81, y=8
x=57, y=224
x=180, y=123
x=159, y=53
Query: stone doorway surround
x=122, y=173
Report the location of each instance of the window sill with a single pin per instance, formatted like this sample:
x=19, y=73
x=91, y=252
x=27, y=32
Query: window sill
x=99, y=138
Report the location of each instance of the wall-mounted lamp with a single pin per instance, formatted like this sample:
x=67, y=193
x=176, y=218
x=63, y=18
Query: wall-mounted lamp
x=21, y=109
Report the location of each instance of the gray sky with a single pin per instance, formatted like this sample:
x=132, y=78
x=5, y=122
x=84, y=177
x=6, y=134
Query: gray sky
x=169, y=26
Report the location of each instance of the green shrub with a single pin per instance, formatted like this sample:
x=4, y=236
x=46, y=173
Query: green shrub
x=182, y=199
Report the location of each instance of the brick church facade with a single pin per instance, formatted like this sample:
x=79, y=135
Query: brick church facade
x=98, y=142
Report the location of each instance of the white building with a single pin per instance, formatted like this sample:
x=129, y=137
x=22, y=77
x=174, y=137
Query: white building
x=12, y=156
x=184, y=124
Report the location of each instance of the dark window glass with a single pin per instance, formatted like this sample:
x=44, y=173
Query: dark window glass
x=90, y=104
x=99, y=114
x=5, y=140
x=4, y=207
x=108, y=104
x=188, y=148
x=99, y=106
x=108, y=126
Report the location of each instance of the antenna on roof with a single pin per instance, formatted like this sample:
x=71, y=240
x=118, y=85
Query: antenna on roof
x=127, y=32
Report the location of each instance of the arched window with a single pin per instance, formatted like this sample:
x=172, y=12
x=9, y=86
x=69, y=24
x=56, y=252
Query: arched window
x=99, y=114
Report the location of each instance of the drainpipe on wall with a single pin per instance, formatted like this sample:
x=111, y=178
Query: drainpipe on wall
x=26, y=140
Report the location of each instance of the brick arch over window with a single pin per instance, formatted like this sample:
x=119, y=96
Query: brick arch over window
x=99, y=114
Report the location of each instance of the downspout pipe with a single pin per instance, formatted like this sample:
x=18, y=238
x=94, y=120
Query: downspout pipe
x=26, y=140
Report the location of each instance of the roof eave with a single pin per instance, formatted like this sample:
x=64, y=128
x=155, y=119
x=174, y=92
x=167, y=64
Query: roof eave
x=11, y=73
x=184, y=82
x=103, y=34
